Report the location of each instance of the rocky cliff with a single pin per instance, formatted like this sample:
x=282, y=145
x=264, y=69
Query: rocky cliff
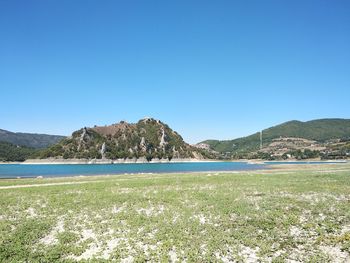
x=148, y=138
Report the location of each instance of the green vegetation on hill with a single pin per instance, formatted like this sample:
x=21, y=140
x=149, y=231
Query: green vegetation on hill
x=31, y=140
x=318, y=130
x=14, y=153
x=148, y=138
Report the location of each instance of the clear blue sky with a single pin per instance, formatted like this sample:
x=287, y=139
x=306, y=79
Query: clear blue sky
x=210, y=69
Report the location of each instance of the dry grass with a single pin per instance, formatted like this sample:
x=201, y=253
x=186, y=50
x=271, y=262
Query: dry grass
x=292, y=214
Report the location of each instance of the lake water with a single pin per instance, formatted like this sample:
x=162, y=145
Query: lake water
x=60, y=170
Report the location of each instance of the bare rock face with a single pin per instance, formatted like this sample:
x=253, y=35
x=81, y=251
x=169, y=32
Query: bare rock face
x=148, y=138
x=202, y=146
x=82, y=137
x=143, y=144
x=113, y=129
x=103, y=150
x=162, y=139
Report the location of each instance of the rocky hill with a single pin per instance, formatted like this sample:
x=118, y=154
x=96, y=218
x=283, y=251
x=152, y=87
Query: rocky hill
x=148, y=138
x=324, y=136
x=31, y=140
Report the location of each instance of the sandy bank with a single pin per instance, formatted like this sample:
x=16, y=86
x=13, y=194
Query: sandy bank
x=108, y=161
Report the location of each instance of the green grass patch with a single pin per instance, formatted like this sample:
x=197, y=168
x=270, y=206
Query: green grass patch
x=272, y=216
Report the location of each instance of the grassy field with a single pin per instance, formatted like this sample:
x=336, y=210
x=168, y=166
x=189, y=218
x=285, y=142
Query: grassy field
x=281, y=215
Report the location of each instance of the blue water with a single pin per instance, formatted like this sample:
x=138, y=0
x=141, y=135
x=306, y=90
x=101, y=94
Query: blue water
x=61, y=170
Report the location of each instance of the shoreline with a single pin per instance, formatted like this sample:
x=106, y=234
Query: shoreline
x=154, y=161
x=91, y=176
x=117, y=161
x=267, y=169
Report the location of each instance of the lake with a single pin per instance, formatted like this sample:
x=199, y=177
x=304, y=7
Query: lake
x=61, y=170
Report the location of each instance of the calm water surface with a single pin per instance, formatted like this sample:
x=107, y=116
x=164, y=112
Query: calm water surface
x=61, y=170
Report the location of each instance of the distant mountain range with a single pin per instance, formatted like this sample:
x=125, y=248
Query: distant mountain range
x=148, y=138
x=323, y=135
x=32, y=140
